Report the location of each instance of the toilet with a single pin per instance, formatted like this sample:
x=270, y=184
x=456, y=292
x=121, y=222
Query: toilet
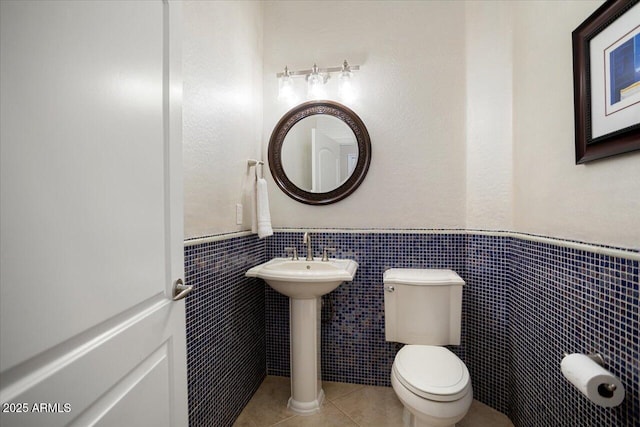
x=423, y=309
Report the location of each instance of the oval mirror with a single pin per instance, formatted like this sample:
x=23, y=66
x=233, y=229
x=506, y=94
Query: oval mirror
x=319, y=152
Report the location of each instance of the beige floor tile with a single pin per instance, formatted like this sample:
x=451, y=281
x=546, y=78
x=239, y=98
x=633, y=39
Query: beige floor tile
x=481, y=415
x=372, y=406
x=346, y=405
x=244, y=420
x=268, y=405
x=330, y=416
x=333, y=390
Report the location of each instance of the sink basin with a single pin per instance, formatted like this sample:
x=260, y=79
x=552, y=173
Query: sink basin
x=302, y=279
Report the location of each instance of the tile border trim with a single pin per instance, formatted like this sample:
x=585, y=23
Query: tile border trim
x=612, y=251
x=216, y=238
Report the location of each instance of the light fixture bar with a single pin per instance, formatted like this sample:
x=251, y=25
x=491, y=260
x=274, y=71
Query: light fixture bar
x=320, y=70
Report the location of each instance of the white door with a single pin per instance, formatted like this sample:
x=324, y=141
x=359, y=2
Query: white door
x=325, y=162
x=91, y=214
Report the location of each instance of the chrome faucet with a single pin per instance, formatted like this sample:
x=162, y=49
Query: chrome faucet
x=307, y=239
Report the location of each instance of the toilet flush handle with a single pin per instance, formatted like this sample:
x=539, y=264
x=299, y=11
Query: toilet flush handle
x=389, y=288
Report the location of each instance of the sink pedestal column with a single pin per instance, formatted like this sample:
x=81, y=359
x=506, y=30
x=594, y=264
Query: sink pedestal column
x=306, y=385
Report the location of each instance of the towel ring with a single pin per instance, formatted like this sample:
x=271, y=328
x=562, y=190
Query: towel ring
x=256, y=163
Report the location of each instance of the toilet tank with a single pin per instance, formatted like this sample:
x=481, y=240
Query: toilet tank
x=422, y=306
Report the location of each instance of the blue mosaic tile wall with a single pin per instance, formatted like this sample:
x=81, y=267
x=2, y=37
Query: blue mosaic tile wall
x=524, y=304
x=486, y=313
x=568, y=300
x=226, y=357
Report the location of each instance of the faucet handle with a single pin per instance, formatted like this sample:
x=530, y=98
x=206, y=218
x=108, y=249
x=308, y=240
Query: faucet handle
x=325, y=253
x=294, y=253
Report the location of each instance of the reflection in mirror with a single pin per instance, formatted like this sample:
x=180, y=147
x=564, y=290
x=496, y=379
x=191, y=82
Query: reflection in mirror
x=319, y=153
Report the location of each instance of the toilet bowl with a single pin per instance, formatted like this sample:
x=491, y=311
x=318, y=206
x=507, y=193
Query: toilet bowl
x=423, y=309
x=433, y=385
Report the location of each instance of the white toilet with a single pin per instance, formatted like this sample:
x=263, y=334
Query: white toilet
x=423, y=308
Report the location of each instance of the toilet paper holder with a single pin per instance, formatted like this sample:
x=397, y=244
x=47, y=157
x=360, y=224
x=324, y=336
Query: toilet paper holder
x=605, y=390
x=596, y=357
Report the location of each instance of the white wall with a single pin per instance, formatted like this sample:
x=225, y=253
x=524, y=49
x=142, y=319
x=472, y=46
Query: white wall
x=411, y=82
x=469, y=106
x=222, y=113
x=489, y=50
x=598, y=202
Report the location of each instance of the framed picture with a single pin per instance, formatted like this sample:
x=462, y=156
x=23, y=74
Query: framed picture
x=606, y=81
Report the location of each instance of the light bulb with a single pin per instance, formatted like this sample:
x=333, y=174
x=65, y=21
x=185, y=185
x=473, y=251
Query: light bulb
x=345, y=88
x=315, y=84
x=316, y=88
x=286, y=92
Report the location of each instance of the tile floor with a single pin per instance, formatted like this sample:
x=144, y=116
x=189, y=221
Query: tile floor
x=345, y=405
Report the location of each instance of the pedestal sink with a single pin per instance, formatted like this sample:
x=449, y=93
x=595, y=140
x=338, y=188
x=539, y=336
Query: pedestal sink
x=304, y=282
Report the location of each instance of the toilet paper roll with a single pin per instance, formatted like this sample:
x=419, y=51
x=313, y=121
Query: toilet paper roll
x=598, y=384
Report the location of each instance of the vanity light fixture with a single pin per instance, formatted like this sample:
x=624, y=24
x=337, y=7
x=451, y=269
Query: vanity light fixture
x=316, y=79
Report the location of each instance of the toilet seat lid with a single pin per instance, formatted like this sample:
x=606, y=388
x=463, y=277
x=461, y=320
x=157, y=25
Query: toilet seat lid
x=432, y=372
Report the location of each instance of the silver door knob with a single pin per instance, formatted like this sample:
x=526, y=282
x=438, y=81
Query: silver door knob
x=180, y=290
x=389, y=288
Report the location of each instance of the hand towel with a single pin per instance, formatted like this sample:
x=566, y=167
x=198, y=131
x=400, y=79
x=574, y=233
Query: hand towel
x=253, y=189
x=262, y=209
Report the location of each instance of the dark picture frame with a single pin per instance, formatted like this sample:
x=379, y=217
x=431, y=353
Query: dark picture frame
x=598, y=131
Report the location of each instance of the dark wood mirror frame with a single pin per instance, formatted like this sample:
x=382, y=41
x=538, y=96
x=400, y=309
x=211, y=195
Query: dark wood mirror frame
x=300, y=112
